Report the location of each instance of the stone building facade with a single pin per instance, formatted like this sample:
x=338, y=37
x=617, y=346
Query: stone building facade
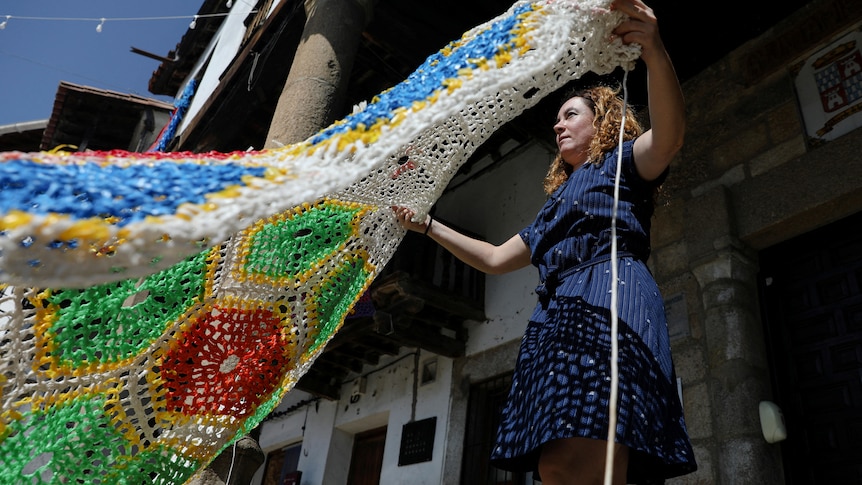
x=750, y=178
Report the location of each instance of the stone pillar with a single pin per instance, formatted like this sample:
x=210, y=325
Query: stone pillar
x=315, y=87
x=728, y=336
x=738, y=375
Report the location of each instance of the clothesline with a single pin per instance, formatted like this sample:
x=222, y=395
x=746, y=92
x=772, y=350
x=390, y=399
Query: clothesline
x=102, y=20
x=114, y=19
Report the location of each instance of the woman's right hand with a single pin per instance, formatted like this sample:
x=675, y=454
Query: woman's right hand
x=405, y=215
x=486, y=257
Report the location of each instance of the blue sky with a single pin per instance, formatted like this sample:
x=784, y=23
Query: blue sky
x=35, y=55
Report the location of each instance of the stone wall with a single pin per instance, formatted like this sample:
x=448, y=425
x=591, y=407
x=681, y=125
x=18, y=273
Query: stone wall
x=746, y=180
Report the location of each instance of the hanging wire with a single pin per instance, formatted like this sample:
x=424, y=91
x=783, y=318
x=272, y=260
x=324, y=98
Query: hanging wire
x=114, y=19
x=102, y=20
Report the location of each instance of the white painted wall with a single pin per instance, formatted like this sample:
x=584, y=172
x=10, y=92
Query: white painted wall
x=498, y=205
x=388, y=401
x=219, y=53
x=311, y=425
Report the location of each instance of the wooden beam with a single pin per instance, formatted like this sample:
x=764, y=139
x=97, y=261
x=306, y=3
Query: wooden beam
x=351, y=330
x=410, y=333
x=320, y=387
x=400, y=286
x=341, y=360
x=377, y=345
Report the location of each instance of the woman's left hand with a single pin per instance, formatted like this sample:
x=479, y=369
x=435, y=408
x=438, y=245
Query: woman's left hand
x=640, y=28
x=655, y=149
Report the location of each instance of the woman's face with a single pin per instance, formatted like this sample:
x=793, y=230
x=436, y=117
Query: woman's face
x=575, y=131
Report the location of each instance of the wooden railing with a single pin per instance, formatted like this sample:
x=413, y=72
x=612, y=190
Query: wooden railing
x=428, y=263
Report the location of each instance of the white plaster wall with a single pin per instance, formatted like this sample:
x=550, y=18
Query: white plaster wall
x=388, y=401
x=390, y=393
x=498, y=205
x=432, y=401
x=219, y=54
x=337, y=460
x=388, y=389
x=317, y=439
x=311, y=425
x=287, y=429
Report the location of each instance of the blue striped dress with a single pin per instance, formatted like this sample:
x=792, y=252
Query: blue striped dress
x=561, y=384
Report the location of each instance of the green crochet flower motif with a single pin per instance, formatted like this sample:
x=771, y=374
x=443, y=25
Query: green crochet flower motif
x=336, y=295
x=78, y=443
x=138, y=312
x=289, y=247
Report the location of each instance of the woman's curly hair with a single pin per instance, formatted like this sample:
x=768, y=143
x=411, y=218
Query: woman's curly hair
x=607, y=107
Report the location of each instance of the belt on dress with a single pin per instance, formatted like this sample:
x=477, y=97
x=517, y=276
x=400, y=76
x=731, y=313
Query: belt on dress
x=553, y=276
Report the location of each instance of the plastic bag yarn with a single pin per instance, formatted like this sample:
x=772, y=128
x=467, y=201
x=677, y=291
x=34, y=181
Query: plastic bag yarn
x=187, y=293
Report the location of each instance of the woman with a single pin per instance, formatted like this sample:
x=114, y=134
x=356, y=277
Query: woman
x=556, y=418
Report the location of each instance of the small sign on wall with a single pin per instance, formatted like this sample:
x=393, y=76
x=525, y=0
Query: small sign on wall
x=829, y=88
x=676, y=312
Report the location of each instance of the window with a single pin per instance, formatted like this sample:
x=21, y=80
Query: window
x=281, y=466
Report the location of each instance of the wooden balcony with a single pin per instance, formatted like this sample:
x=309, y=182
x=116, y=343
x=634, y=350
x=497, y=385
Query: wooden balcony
x=420, y=300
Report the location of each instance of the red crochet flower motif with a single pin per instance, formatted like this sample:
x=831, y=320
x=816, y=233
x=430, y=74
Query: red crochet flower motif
x=229, y=361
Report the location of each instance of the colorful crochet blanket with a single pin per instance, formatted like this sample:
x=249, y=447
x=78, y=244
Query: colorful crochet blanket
x=155, y=307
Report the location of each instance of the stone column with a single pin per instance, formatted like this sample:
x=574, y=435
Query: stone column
x=315, y=86
x=733, y=343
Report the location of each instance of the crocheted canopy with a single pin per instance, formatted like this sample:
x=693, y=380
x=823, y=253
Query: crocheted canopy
x=154, y=307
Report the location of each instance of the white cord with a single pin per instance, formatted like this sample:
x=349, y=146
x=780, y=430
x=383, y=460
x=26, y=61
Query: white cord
x=612, y=402
x=232, y=458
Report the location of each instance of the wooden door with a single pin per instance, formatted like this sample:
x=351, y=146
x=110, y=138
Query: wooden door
x=367, y=458
x=812, y=295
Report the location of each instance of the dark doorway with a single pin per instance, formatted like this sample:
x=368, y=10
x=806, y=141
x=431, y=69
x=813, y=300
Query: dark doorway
x=811, y=288
x=484, y=413
x=367, y=459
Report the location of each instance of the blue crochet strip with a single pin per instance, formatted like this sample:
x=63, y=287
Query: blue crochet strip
x=126, y=193
x=429, y=78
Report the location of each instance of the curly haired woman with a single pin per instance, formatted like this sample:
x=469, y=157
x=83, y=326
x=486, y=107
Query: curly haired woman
x=556, y=419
